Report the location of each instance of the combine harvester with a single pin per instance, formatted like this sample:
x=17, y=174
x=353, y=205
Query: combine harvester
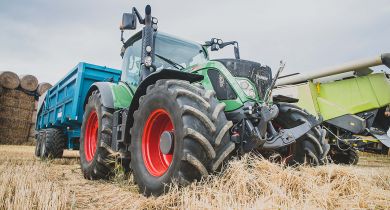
x=353, y=101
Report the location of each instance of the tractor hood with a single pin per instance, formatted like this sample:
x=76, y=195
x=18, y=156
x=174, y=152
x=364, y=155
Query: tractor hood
x=259, y=75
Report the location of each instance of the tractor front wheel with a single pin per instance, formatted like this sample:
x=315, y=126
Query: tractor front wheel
x=343, y=154
x=180, y=134
x=311, y=148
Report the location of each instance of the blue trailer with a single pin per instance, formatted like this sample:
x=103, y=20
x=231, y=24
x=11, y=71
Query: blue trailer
x=62, y=108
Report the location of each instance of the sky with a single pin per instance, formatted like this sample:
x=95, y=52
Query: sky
x=48, y=38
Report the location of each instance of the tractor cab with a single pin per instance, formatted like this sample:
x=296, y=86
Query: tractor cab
x=170, y=52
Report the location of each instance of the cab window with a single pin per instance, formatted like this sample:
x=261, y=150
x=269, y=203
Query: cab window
x=132, y=63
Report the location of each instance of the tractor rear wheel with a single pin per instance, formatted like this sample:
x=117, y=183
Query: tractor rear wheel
x=180, y=134
x=312, y=148
x=53, y=143
x=95, y=138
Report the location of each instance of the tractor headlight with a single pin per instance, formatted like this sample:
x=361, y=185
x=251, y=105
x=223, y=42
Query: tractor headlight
x=247, y=87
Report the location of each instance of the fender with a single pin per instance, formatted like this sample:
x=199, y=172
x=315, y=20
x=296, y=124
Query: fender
x=105, y=92
x=151, y=79
x=283, y=98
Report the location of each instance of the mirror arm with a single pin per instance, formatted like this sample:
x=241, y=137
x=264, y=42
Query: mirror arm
x=122, y=39
x=139, y=17
x=236, y=50
x=226, y=44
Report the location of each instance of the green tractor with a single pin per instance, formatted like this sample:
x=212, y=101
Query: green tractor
x=353, y=102
x=177, y=116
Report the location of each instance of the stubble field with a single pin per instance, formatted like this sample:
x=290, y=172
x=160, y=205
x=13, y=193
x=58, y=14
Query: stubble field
x=249, y=183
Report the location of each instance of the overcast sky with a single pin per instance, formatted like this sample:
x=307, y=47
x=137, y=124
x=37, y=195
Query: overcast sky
x=47, y=38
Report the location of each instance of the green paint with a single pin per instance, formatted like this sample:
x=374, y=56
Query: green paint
x=231, y=105
x=122, y=95
x=348, y=96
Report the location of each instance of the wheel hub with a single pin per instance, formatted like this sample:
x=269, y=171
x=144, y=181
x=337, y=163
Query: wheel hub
x=166, y=142
x=157, y=142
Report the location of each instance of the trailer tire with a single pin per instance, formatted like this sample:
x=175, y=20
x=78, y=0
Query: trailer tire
x=95, y=138
x=312, y=148
x=38, y=144
x=52, y=143
x=191, y=122
x=37, y=149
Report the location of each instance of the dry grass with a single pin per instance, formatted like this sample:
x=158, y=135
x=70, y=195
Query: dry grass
x=249, y=183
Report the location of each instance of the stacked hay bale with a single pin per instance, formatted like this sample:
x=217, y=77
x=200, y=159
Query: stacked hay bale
x=18, y=95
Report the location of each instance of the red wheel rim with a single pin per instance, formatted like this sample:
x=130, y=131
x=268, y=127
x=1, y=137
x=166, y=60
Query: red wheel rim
x=91, y=135
x=155, y=161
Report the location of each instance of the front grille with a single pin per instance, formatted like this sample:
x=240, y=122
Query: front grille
x=258, y=74
x=222, y=88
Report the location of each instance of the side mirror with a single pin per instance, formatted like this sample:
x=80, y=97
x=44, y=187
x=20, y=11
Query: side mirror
x=129, y=21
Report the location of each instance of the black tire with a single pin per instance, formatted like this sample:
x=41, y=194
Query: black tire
x=201, y=134
x=344, y=154
x=96, y=163
x=53, y=143
x=312, y=148
x=38, y=144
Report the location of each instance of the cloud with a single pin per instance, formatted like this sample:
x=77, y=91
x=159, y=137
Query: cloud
x=47, y=38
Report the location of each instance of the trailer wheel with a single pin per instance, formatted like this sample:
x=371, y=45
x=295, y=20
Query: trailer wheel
x=38, y=144
x=181, y=134
x=52, y=143
x=312, y=148
x=96, y=132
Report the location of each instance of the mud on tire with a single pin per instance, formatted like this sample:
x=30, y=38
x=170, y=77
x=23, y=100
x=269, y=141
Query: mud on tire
x=312, y=148
x=96, y=134
x=343, y=154
x=199, y=131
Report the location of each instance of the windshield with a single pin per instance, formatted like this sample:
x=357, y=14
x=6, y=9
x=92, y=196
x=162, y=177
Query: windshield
x=183, y=53
x=170, y=53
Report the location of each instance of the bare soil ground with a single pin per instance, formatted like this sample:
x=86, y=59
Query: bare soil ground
x=250, y=183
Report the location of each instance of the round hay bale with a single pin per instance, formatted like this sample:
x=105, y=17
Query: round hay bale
x=43, y=87
x=28, y=82
x=9, y=80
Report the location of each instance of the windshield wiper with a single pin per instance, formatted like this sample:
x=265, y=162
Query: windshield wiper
x=172, y=63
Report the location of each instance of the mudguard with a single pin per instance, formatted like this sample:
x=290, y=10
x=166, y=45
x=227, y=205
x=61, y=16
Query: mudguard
x=105, y=91
x=151, y=79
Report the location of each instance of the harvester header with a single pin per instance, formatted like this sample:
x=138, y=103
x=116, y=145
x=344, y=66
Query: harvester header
x=361, y=66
